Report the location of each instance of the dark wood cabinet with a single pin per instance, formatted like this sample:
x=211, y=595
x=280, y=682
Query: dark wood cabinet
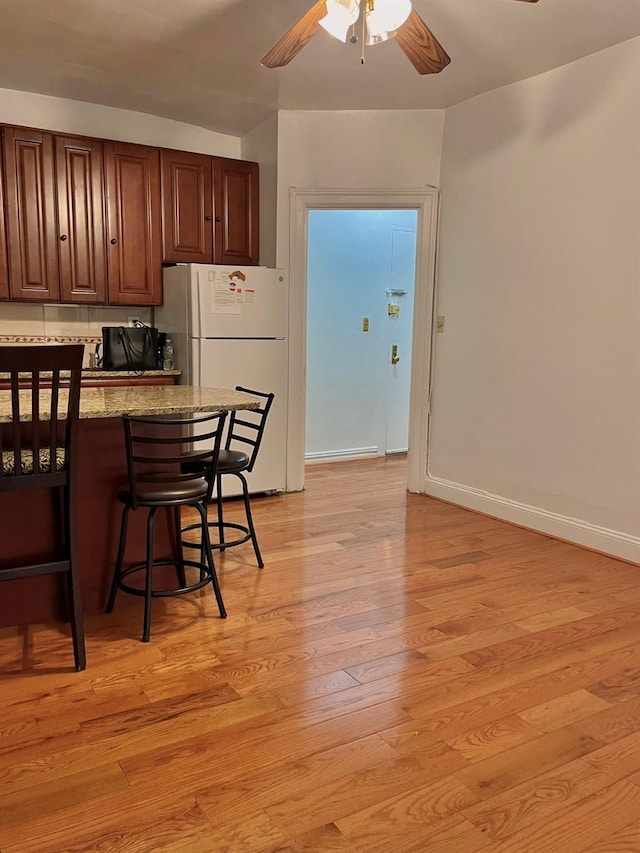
x=187, y=207
x=134, y=224
x=210, y=209
x=4, y=270
x=236, y=202
x=81, y=243
x=91, y=221
x=32, y=238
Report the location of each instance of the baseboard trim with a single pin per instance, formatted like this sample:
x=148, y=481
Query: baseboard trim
x=603, y=539
x=340, y=455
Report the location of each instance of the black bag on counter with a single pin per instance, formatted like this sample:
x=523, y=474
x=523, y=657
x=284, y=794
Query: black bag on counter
x=129, y=348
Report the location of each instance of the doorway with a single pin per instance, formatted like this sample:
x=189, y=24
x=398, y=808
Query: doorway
x=360, y=293
x=293, y=256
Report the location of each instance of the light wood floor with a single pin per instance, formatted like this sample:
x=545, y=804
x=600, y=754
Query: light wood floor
x=404, y=675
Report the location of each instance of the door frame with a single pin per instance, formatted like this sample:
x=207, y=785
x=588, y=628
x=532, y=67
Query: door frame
x=426, y=201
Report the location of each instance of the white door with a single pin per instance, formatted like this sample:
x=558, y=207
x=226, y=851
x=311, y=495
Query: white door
x=259, y=366
x=399, y=310
x=354, y=396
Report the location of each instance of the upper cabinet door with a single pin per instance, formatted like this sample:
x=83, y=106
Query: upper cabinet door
x=187, y=207
x=31, y=215
x=81, y=219
x=134, y=224
x=4, y=269
x=236, y=193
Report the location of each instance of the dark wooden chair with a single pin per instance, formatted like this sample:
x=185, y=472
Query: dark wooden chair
x=155, y=449
x=38, y=449
x=246, y=429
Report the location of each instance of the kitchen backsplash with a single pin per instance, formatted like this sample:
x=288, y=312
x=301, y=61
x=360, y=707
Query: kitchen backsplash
x=20, y=323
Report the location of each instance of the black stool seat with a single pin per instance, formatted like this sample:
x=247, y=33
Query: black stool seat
x=233, y=460
x=244, y=428
x=229, y=462
x=165, y=492
x=156, y=448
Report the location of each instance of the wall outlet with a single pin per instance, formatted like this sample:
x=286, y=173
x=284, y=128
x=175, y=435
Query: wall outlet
x=133, y=321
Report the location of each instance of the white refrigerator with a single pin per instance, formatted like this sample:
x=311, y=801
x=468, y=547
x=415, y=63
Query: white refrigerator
x=228, y=326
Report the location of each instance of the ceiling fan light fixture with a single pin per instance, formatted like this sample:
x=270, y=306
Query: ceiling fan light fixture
x=375, y=32
x=341, y=14
x=389, y=14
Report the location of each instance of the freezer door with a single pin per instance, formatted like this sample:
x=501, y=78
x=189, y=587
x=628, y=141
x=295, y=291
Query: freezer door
x=261, y=366
x=247, y=302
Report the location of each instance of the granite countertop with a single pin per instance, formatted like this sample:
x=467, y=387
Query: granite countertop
x=141, y=400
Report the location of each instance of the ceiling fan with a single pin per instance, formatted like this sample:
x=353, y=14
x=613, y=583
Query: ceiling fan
x=381, y=20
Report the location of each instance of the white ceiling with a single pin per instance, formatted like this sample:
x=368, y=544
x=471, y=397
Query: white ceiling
x=198, y=61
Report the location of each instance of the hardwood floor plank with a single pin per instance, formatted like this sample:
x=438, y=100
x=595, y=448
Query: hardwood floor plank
x=563, y=710
x=17, y=807
x=574, y=829
x=613, y=723
x=493, y=738
x=369, y=792
x=439, y=650
x=535, y=800
x=626, y=840
x=422, y=806
x=507, y=769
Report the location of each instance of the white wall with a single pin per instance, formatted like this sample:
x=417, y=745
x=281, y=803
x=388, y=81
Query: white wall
x=536, y=387
x=261, y=146
x=381, y=149
x=59, y=114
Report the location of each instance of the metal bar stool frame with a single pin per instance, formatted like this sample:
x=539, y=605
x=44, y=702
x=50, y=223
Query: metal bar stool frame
x=156, y=480
x=245, y=431
x=41, y=452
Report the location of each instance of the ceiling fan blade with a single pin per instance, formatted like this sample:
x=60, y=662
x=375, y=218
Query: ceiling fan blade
x=295, y=39
x=422, y=48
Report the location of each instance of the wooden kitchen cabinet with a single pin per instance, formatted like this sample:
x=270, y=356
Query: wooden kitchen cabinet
x=236, y=202
x=81, y=241
x=134, y=224
x=32, y=238
x=210, y=209
x=4, y=270
x=187, y=207
x=90, y=221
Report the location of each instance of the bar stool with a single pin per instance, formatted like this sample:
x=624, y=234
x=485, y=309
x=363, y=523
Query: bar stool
x=155, y=449
x=246, y=427
x=39, y=451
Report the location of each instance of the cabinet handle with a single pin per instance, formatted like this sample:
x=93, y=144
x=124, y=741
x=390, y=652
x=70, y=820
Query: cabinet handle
x=207, y=219
x=218, y=219
x=113, y=241
x=63, y=237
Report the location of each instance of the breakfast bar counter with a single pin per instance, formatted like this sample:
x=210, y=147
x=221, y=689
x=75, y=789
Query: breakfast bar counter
x=26, y=525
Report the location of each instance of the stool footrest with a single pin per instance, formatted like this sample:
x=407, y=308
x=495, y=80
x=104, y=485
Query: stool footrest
x=219, y=546
x=205, y=578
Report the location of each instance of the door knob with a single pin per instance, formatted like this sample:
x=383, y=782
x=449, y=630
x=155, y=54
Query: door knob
x=395, y=358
